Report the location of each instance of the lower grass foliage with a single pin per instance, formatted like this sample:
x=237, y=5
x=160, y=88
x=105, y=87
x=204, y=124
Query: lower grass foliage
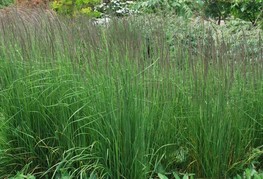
x=119, y=101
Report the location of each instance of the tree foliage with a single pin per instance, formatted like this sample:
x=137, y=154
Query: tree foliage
x=180, y=7
x=218, y=9
x=249, y=10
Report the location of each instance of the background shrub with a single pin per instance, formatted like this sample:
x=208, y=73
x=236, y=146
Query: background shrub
x=117, y=8
x=5, y=3
x=76, y=7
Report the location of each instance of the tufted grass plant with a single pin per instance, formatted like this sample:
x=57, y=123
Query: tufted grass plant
x=119, y=101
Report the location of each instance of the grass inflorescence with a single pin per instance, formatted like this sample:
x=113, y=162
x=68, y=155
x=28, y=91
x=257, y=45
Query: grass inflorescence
x=129, y=99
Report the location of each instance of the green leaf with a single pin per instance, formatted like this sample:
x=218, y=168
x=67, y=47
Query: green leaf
x=238, y=177
x=175, y=4
x=176, y=176
x=161, y=176
x=185, y=177
x=92, y=176
x=256, y=176
x=248, y=173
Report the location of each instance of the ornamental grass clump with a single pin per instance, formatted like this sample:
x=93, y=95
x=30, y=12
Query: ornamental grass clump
x=125, y=100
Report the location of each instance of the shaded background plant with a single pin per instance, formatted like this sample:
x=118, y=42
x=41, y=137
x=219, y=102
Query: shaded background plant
x=75, y=7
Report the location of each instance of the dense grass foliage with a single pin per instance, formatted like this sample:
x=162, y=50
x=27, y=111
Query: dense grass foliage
x=126, y=100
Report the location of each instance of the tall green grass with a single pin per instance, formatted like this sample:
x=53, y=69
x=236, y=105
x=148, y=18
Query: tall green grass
x=119, y=101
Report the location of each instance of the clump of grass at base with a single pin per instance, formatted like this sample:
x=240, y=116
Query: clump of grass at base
x=113, y=102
